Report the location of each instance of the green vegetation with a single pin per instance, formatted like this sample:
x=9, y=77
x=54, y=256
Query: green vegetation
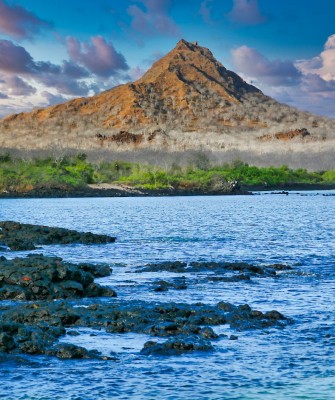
x=76, y=172
x=21, y=175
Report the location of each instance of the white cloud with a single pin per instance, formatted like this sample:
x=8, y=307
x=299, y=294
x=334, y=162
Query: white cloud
x=16, y=86
x=252, y=63
x=97, y=56
x=323, y=64
x=306, y=84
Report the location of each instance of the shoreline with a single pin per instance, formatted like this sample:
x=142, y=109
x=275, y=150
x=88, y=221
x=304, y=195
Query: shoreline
x=127, y=191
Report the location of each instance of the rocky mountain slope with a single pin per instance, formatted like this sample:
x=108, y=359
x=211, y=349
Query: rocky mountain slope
x=186, y=101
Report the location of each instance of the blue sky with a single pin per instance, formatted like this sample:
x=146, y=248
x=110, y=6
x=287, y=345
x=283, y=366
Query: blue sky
x=51, y=51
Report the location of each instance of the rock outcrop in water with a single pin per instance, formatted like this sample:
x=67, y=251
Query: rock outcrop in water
x=37, y=326
x=20, y=237
x=236, y=271
x=45, y=278
x=176, y=346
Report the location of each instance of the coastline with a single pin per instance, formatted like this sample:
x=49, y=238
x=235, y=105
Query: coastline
x=114, y=192
x=111, y=190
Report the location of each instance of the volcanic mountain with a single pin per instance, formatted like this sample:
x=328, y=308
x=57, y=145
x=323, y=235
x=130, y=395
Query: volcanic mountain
x=187, y=101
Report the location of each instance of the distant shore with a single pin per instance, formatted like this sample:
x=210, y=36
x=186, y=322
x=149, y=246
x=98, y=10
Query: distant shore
x=113, y=191
x=106, y=190
x=291, y=187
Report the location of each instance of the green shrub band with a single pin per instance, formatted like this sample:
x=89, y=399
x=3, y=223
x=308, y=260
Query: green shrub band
x=21, y=175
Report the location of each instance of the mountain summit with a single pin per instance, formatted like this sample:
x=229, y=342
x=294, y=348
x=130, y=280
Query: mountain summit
x=182, y=86
x=186, y=100
x=189, y=71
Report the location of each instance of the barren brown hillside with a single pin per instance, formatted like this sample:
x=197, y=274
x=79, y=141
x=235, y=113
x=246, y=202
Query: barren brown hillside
x=186, y=101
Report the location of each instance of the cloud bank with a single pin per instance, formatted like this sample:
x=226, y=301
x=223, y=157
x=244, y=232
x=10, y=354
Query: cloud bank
x=81, y=75
x=253, y=64
x=19, y=23
x=322, y=65
x=97, y=56
x=308, y=84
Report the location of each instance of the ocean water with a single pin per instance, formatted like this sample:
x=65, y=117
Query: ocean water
x=297, y=362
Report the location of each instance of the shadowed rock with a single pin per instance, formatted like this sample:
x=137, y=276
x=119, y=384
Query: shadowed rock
x=176, y=346
x=35, y=328
x=245, y=270
x=164, y=286
x=22, y=237
x=39, y=277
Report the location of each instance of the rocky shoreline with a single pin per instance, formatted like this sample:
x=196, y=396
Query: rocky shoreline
x=43, y=299
x=127, y=191
x=38, y=277
x=114, y=191
x=21, y=237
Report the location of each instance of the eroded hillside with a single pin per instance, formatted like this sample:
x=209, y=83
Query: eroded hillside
x=186, y=101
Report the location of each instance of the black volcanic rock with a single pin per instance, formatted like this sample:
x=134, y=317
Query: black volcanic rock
x=238, y=270
x=35, y=328
x=37, y=277
x=176, y=346
x=21, y=237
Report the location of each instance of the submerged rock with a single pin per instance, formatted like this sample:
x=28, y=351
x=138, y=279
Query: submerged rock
x=176, y=266
x=176, y=346
x=67, y=351
x=164, y=286
x=35, y=328
x=237, y=271
x=38, y=277
x=23, y=237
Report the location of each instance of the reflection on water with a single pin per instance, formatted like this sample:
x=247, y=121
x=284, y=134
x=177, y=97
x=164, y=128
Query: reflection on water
x=291, y=363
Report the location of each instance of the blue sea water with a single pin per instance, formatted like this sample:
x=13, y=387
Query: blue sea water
x=297, y=362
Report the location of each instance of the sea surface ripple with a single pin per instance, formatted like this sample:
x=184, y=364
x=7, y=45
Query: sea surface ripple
x=296, y=362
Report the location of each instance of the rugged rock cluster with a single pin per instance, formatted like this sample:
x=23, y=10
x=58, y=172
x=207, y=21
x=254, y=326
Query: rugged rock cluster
x=37, y=277
x=35, y=328
x=39, y=307
x=222, y=270
x=21, y=237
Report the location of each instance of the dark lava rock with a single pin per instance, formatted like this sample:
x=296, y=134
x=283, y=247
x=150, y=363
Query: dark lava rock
x=161, y=288
x=208, y=333
x=176, y=266
x=243, y=317
x=98, y=271
x=164, y=286
x=30, y=339
x=238, y=271
x=176, y=346
x=22, y=237
x=68, y=351
x=35, y=328
x=6, y=342
x=280, y=267
x=244, y=269
x=39, y=277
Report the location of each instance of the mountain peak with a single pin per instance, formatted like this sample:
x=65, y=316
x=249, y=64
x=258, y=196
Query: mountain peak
x=193, y=68
x=183, y=89
x=184, y=44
